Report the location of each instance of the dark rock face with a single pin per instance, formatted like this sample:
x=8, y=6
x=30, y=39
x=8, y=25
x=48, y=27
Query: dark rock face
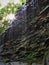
x=28, y=33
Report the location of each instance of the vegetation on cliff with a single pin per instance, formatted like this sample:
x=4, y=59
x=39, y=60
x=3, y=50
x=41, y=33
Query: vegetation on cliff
x=10, y=8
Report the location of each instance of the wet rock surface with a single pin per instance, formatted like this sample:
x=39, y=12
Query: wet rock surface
x=17, y=63
x=27, y=37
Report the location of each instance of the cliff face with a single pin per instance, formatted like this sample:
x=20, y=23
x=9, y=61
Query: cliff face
x=27, y=37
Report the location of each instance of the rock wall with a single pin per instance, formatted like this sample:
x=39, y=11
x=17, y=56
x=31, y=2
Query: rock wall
x=27, y=37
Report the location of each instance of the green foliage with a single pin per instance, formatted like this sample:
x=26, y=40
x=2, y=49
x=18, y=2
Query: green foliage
x=10, y=8
x=1, y=17
x=1, y=29
x=22, y=1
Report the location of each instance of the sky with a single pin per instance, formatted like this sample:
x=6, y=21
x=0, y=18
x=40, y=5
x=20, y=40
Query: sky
x=4, y=2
